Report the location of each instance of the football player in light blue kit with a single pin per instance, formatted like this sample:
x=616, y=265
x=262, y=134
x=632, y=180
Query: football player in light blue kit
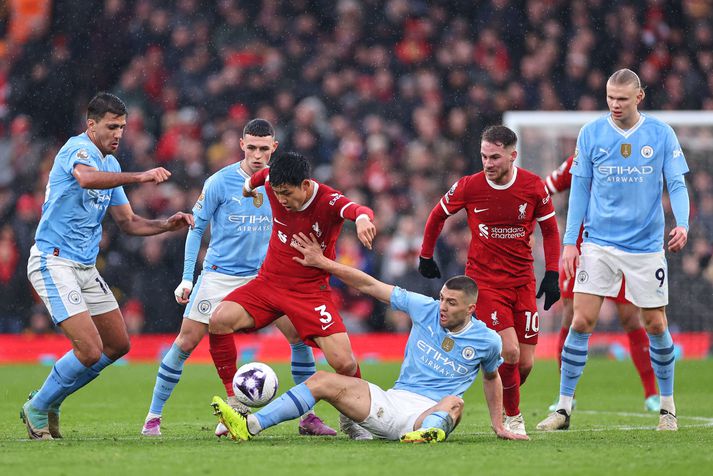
x=618, y=173
x=446, y=348
x=240, y=231
x=85, y=181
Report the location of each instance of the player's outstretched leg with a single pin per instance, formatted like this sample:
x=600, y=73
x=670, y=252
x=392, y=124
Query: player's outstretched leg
x=303, y=367
x=663, y=361
x=574, y=357
x=424, y=435
x=167, y=377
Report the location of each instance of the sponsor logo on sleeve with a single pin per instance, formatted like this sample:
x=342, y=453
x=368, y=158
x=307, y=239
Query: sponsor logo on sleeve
x=335, y=196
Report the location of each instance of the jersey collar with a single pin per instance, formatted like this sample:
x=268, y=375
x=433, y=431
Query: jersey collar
x=465, y=328
x=241, y=172
x=311, y=199
x=626, y=133
x=505, y=186
x=103, y=157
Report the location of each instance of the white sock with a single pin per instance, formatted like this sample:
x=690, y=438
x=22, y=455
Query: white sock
x=307, y=413
x=565, y=403
x=151, y=416
x=253, y=425
x=667, y=404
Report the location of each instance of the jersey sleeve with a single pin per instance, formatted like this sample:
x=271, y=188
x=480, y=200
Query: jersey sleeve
x=493, y=359
x=208, y=200
x=543, y=207
x=118, y=197
x=348, y=209
x=674, y=162
x=82, y=156
x=582, y=159
x=455, y=198
x=416, y=305
x=561, y=178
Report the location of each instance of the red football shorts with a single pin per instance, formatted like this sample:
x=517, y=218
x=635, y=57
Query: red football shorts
x=567, y=289
x=313, y=313
x=510, y=307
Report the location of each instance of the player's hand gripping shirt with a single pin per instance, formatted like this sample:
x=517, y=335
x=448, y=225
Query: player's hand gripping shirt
x=627, y=171
x=501, y=219
x=322, y=215
x=437, y=362
x=240, y=227
x=70, y=226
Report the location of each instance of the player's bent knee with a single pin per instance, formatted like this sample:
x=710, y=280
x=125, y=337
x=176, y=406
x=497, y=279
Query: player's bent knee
x=319, y=383
x=511, y=355
x=344, y=365
x=88, y=355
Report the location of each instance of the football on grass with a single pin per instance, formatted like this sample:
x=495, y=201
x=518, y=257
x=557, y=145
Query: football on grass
x=255, y=384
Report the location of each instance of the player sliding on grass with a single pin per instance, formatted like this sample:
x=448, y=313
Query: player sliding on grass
x=446, y=348
x=620, y=164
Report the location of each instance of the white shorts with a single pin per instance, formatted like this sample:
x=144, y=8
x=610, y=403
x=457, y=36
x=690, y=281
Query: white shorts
x=68, y=288
x=394, y=412
x=601, y=269
x=209, y=291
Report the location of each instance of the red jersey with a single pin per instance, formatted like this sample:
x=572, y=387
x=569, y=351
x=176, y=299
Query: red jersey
x=322, y=215
x=501, y=219
x=561, y=178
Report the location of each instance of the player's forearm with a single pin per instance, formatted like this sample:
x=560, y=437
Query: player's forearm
x=493, y=390
x=105, y=180
x=357, y=279
x=140, y=226
x=434, y=225
x=578, y=204
x=680, y=202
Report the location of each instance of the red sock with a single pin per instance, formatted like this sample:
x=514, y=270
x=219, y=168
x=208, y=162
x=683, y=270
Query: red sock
x=510, y=375
x=560, y=345
x=639, y=349
x=357, y=374
x=224, y=354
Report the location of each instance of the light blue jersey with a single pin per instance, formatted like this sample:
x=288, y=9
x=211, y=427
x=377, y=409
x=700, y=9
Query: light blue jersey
x=70, y=226
x=627, y=171
x=437, y=362
x=240, y=227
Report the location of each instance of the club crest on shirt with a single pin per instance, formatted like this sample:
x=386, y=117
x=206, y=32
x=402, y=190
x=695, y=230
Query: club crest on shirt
x=317, y=230
x=647, y=151
x=625, y=150
x=258, y=200
x=468, y=353
x=447, y=344
x=522, y=211
x=494, y=318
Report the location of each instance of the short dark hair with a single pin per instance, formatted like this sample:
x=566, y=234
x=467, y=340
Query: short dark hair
x=499, y=135
x=105, y=102
x=290, y=168
x=465, y=284
x=259, y=128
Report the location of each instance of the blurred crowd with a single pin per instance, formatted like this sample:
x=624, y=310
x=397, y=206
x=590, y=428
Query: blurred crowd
x=388, y=99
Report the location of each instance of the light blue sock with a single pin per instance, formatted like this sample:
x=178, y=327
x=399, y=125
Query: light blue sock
x=439, y=419
x=82, y=380
x=64, y=374
x=574, y=356
x=303, y=365
x=661, y=350
x=169, y=373
x=293, y=403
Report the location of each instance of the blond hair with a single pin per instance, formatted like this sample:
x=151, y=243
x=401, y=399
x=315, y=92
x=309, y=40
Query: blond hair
x=623, y=77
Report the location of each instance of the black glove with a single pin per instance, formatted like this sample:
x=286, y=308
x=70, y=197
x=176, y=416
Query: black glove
x=428, y=268
x=550, y=287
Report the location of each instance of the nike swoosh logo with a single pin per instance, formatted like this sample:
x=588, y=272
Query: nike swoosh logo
x=529, y=336
x=279, y=222
x=324, y=328
x=481, y=210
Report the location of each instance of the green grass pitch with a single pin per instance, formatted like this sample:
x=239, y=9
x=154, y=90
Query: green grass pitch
x=610, y=434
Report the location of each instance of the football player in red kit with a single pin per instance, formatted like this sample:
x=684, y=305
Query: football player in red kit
x=502, y=205
x=560, y=180
x=283, y=286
